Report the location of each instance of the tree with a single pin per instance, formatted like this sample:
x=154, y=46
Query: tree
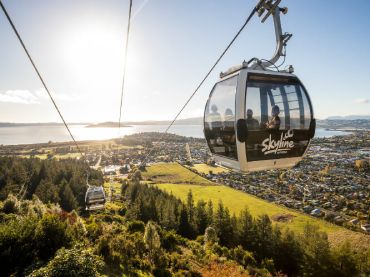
x=151, y=238
x=210, y=212
x=210, y=236
x=51, y=234
x=345, y=260
x=67, y=199
x=264, y=244
x=184, y=225
x=288, y=255
x=47, y=192
x=71, y=262
x=247, y=231
x=190, y=206
x=315, y=244
x=223, y=226
x=201, y=217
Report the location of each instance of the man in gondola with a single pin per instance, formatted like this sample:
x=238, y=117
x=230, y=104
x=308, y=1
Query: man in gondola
x=252, y=123
x=216, y=124
x=274, y=122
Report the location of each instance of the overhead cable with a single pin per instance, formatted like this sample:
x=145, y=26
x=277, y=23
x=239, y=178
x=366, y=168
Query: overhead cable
x=40, y=77
x=125, y=63
x=254, y=10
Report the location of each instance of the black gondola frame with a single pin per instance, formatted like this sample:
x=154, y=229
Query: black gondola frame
x=242, y=163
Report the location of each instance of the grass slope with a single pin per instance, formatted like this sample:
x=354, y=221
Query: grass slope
x=169, y=177
x=173, y=173
x=205, y=168
x=236, y=201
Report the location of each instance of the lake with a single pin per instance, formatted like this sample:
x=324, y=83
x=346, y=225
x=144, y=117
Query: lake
x=42, y=134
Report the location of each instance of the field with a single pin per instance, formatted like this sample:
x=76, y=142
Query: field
x=204, y=168
x=236, y=201
x=173, y=173
x=56, y=156
x=116, y=186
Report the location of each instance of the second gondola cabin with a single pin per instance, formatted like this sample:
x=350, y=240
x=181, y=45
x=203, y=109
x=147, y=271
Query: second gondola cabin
x=258, y=120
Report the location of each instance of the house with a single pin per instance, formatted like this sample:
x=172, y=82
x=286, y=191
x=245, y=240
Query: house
x=354, y=221
x=365, y=227
x=316, y=212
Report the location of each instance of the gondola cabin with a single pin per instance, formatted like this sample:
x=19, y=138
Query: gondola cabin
x=95, y=198
x=258, y=120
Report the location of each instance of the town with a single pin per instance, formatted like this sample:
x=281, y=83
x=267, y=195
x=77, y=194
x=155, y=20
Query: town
x=332, y=181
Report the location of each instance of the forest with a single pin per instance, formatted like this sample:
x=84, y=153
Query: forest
x=46, y=232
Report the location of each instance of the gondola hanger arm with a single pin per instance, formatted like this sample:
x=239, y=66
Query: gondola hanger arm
x=265, y=8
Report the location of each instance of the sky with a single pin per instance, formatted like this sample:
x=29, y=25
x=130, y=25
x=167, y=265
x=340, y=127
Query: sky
x=79, y=49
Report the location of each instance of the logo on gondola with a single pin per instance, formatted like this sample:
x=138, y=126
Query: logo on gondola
x=282, y=146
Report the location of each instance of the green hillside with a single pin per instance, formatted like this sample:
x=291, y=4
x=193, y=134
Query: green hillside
x=236, y=200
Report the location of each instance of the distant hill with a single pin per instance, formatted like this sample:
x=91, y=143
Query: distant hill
x=11, y=124
x=349, y=117
x=349, y=124
x=187, y=121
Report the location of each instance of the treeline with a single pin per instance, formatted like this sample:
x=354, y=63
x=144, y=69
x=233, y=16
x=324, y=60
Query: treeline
x=43, y=240
x=62, y=182
x=308, y=254
x=148, y=137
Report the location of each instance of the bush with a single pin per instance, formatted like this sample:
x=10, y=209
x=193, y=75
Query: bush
x=136, y=226
x=51, y=234
x=71, y=262
x=11, y=205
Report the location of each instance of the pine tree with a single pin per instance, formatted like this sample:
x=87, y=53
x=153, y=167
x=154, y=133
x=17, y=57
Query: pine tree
x=152, y=239
x=184, y=225
x=201, y=217
x=67, y=199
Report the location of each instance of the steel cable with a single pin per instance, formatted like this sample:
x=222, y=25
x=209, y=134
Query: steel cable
x=205, y=78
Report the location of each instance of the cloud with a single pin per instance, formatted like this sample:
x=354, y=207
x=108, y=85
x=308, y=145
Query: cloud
x=18, y=96
x=41, y=93
x=361, y=101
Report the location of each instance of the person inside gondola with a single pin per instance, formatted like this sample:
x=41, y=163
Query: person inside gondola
x=216, y=125
x=228, y=132
x=274, y=122
x=252, y=123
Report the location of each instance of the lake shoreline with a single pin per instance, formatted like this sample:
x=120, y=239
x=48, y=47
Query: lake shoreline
x=33, y=135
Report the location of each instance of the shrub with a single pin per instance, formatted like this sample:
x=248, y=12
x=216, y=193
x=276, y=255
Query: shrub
x=11, y=205
x=71, y=262
x=51, y=234
x=136, y=226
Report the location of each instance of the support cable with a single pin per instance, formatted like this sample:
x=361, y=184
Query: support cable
x=124, y=64
x=206, y=76
x=40, y=77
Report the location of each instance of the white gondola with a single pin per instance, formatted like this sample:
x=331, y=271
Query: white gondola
x=258, y=119
x=95, y=198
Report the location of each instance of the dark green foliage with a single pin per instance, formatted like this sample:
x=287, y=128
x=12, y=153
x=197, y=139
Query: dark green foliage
x=184, y=229
x=11, y=205
x=68, y=201
x=136, y=226
x=317, y=259
x=201, y=218
x=288, y=254
x=51, y=234
x=150, y=203
x=17, y=245
x=71, y=262
x=123, y=251
x=62, y=182
x=34, y=235
x=153, y=237
x=225, y=226
x=171, y=241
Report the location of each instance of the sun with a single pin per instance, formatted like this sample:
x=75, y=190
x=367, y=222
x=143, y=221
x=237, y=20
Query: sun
x=95, y=53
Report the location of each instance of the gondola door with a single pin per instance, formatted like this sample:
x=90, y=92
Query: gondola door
x=220, y=116
x=279, y=121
